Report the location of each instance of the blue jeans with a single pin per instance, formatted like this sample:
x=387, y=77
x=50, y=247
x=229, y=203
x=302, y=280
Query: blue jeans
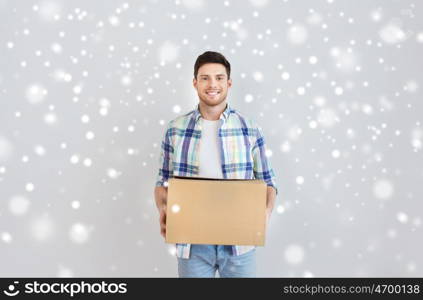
x=205, y=260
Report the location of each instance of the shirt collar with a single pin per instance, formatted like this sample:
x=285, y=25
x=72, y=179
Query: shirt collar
x=223, y=116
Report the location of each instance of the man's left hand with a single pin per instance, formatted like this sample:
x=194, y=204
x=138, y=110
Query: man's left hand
x=268, y=213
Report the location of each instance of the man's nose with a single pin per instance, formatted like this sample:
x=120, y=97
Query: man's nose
x=212, y=82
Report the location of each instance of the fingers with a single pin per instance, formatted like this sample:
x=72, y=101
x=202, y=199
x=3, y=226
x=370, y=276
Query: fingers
x=267, y=219
x=163, y=217
x=163, y=222
x=163, y=229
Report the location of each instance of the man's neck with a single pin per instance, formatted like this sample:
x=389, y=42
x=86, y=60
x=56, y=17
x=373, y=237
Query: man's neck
x=212, y=113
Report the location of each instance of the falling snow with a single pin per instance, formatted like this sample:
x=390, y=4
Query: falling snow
x=86, y=93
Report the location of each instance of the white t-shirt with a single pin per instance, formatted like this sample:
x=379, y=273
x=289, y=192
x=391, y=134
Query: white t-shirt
x=210, y=163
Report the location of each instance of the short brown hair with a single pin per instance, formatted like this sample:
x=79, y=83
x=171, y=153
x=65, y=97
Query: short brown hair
x=211, y=57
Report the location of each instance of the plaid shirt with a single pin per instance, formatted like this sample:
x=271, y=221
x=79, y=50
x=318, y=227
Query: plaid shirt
x=243, y=154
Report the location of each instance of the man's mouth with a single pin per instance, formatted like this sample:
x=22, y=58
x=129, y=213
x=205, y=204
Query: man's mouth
x=212, y=93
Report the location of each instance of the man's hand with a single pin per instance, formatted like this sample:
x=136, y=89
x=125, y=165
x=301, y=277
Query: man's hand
x=271, y=195
x=268, y=213
x=163, y=221
x=160, y=195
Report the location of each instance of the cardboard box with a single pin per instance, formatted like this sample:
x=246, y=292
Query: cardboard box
x=216, y=211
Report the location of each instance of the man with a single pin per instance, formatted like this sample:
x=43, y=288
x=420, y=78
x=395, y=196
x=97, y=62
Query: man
x=215, y=141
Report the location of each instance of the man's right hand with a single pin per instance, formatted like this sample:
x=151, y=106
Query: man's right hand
x=163, y=221
x=160, y=195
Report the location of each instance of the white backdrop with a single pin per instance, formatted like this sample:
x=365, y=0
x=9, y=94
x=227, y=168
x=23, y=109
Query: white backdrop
x=86, y=88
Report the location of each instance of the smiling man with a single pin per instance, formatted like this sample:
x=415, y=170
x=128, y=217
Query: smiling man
x=216, y=141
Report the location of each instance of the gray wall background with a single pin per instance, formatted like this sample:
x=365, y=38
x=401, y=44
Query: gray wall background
x=86, y=88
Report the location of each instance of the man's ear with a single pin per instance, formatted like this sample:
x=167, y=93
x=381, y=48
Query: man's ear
x=194, y=82
x=230, y=82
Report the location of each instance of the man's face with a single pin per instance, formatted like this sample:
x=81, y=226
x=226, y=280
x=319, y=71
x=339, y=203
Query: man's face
x=212, y=84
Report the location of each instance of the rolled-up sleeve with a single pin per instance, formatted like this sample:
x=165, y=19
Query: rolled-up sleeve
x=165, y=159
x=262, y=167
